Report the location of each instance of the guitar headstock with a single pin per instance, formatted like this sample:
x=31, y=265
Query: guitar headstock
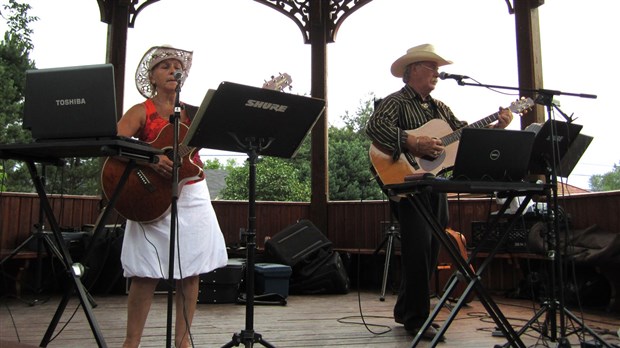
x=521, y=106
x=279, y=83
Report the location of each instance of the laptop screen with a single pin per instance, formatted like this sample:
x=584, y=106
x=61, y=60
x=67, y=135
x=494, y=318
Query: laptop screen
x=493, y=154
x=70, y=103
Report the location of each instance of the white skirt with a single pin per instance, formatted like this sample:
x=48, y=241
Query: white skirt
x=199, y=246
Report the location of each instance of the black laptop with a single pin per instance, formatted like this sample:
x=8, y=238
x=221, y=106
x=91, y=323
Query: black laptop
x=65, y=103
x=493, y=155
x=230, y=115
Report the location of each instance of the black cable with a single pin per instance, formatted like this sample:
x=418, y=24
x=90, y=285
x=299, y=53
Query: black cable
x=66, y=324
x=13, y=322
x=359, y=300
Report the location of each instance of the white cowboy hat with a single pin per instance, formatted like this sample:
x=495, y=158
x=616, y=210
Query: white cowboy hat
x=154, y=56
x=421, y=53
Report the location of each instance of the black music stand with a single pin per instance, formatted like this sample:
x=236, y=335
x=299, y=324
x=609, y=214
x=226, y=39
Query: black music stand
x=257, y=122
x=557, y=148
x=545, y=151
x=552, y=161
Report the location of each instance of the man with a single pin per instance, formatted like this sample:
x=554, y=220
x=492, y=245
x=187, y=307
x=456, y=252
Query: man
x=410, y=108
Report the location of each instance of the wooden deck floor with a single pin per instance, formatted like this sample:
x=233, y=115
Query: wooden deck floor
x=306, y=321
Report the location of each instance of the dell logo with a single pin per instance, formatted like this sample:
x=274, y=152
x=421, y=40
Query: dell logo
x=494, y=155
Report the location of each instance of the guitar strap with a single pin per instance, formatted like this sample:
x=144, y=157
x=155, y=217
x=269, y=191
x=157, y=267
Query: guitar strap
x=402, y=137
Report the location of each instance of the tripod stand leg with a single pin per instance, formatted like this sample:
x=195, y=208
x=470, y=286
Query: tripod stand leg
x=528, y=325
x=598, y=338
x=249, y=337
x=52, y=326
x=550, y=310
x=61, y=308
x=44, y=241
x=386, y=266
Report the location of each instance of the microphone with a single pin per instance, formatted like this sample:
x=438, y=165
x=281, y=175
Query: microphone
x=444, y=75
x=178, y=74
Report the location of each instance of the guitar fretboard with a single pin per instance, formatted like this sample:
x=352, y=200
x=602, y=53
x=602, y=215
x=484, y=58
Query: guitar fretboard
x=183, y=150
x=456, y=135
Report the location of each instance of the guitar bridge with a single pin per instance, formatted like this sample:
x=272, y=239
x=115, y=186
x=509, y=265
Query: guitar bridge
x=145, y=181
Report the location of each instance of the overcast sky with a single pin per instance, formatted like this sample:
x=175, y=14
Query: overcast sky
x=246, y=42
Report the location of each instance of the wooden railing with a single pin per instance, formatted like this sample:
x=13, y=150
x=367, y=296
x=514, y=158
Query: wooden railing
x=20, y=212
x=351, y=224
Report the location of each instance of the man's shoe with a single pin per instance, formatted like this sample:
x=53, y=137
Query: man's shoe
x=400, y=320
x=428, y=334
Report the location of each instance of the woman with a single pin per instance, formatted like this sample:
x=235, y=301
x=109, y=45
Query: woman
x=200, y=246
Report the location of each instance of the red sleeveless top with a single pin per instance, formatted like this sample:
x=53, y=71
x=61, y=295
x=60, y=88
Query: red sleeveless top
x=153, y=125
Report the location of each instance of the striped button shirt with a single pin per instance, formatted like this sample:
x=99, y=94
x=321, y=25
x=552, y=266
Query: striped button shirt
x=405, y=110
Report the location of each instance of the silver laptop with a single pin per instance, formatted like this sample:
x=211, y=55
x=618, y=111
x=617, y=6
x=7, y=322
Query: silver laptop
x=76, y=102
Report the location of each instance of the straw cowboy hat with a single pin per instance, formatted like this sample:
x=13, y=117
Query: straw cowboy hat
x=421, y=53
x=154, y=56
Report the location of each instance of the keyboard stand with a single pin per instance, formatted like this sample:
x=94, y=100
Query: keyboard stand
x=52, y=153
x=508, y=190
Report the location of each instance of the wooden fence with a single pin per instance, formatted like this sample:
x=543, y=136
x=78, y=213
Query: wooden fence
x=353, y=226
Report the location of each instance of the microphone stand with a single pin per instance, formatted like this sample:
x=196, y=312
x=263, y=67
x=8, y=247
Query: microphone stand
x=174, y=119
x=542, y=91
x=553, y=307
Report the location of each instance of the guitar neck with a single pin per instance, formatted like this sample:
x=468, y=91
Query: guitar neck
x=182, y=149
x=456, y=135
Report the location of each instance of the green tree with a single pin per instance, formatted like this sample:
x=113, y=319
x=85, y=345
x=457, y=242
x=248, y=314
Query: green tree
x=14, y=61
x=2, y=178
x=212, y=164
x=76, y=176
x=276, y=180
x=216, y=164
x=606, y=182
x=349, y=167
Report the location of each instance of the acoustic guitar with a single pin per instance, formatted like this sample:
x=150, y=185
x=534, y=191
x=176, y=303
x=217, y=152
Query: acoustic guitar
x=146, y=196
x=459, y=241
x=394, y=172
